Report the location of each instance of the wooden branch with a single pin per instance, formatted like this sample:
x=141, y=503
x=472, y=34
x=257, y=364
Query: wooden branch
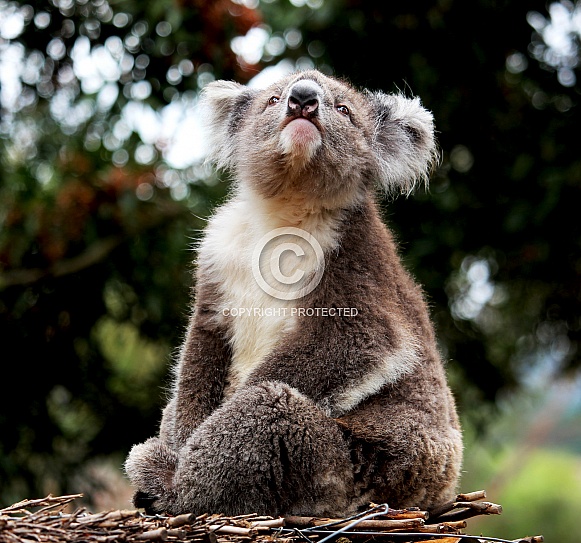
x=380, y=525
x=153, y=535
x=231, y=530
x=444, y=527
x=181, y=520
x=465, y=506
x=466, y=510
x=401, y=514
x=51, y=524
x=272, y=523
x=448, y=506
x=471, y=496
x=48, y=503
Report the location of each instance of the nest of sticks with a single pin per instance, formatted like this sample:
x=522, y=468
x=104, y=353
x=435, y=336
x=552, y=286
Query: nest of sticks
x=50, y=519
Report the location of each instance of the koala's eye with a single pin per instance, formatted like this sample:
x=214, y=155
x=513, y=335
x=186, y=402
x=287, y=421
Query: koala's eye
x=344, y=110
x=273, y=100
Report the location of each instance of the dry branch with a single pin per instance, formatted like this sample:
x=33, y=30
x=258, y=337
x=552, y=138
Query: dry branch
x=153, y=535
x=379, y=525
x=46, y=503
x=401, y=514
x=466, y=510
x=181, y=520
x=448, y=506
x=472, y=496
x=51, y=523
x=465, y=506
x=444, y=527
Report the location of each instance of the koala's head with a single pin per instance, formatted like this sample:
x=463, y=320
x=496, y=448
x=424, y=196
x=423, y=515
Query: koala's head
x=319, y=137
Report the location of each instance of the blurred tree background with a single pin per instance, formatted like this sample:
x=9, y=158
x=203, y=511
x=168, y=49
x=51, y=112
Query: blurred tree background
x=103, y=190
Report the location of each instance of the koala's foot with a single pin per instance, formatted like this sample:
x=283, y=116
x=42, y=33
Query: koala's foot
x=268, y=450
x=150, y=467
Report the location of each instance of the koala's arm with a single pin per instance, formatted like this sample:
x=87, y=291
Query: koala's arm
x=199, y=381
x=340, y=360
x=335, y=370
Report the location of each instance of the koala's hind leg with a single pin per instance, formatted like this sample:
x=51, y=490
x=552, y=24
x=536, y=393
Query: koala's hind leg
x=151, y=467
x=268, y=450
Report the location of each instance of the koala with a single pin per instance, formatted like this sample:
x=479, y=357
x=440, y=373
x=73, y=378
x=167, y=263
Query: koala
x=309, y=381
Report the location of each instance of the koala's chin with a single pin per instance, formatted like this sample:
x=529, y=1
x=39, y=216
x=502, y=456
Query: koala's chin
x=299, y=141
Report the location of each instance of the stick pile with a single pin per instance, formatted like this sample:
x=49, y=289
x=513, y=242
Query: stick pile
x=46, y=520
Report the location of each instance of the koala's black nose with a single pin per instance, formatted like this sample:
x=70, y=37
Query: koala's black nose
x=303, y=98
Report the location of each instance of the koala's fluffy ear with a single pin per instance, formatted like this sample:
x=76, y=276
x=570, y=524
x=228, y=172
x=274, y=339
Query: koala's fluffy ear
x=223, y=106
x=403, y=141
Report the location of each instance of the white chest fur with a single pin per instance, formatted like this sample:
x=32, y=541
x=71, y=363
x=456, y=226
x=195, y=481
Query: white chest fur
x=256, y=319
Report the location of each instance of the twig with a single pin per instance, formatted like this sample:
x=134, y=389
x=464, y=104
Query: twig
x=231, y=530
x=181, y=520
x=465, y=511
x=50, y=523
x=472, y=496
x=272, y=523
x=153, y=535
x=49, y=502
x=448, y=506
x=308, y=522
x=444, y=527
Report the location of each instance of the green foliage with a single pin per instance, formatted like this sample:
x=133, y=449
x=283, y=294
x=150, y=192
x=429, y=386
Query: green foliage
x=529, y=462
x=549, y=486
x=94, y=260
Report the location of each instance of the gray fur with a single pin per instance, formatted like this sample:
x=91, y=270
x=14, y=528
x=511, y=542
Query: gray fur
x=341, y=411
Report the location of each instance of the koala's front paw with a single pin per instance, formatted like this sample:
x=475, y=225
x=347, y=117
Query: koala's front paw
x=150, y=467
x=152, y=504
